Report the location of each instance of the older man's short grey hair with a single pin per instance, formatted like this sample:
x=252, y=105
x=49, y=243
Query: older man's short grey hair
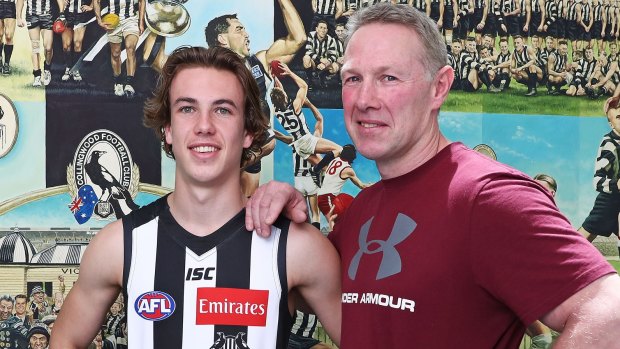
x=435, y=53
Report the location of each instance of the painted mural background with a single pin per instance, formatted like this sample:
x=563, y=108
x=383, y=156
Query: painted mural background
x=50, y=207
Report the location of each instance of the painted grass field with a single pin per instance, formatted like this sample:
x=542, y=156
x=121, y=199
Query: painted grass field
x=513, y=101
x=18, y=85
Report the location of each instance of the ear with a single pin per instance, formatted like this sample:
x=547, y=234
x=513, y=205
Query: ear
x=168, y=134
x=441, y=86
x=223, y=40
x=247, y=139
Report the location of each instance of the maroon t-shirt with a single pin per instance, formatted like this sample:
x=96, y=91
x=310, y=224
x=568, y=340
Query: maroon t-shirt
x=461, y=252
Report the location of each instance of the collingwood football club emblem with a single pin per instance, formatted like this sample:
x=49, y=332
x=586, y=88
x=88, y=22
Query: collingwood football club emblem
x=102, y=169
x=223, y=341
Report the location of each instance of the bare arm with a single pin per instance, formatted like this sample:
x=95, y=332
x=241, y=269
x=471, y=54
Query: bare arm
x=313, y=269
x=99, y=283
x=590, y=317
x=282, y=137
x=339, y=9
x=349, y=173
x=283, y=49
x=300, y=97
x=141, y=11
x=19, y=7
x=543, y=12
x=318, y=125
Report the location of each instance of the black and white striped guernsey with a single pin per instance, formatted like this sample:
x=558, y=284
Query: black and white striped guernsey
x=38, y=7
x=294, y=124
x=225, y=290
x=124, y=8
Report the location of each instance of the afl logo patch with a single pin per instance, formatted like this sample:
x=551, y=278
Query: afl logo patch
x=103, y=161
x=9, y=125
x=154, y=305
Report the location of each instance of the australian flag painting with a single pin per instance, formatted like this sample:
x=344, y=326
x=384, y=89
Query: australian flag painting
x=83, y=205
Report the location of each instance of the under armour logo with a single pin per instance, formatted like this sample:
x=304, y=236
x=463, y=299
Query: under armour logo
x=390, y=263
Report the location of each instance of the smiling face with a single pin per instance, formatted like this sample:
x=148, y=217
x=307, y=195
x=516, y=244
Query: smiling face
x=20, y=306
x=6, y=309
x=206, y=129
x=389, y=106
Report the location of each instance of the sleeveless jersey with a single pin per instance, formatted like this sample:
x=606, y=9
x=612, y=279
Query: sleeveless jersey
x=597, y=13
x=304, y=325
x=302, y=167
x=501, y=58
x=586, y=13
x=124, y=8
x=294, y=124
x=571, y=14
x=75, y=6
x=38, y=7
x=260, y=75
x=521, y=57
x=225, y=290
x=560, y=62
x=332, y=183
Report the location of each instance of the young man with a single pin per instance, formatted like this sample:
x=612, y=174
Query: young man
x=21, y=303
x=7, y=30
x=437, y=236
x=38, y=20
x=583, y=73
x=524, y=69
x=188, y=264
x=603, y=218
x=558, y=68
x=131, y=25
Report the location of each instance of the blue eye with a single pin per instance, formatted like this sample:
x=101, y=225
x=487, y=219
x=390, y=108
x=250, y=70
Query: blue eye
x=186, y=109
x=222, y=111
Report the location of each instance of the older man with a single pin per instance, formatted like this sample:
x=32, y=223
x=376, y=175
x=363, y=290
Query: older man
x=433, y=253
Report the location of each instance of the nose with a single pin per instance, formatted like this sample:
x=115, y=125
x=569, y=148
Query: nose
x=204, y=124
x=366, y=97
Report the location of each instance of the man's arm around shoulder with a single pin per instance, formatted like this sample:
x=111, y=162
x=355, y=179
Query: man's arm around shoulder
x=99, y=283
x=313, y=269
x=590, y=317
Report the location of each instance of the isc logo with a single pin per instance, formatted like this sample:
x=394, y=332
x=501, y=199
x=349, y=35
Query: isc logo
x=154, y=306
x=194, y=274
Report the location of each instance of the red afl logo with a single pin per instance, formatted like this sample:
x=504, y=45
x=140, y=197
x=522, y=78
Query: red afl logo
x=154, y=306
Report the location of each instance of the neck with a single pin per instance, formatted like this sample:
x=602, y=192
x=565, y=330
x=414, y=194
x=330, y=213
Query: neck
x=416, y=157
x=202, y=210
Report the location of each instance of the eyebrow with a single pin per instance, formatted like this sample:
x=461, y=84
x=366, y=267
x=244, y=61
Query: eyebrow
x=191, y=100
x=186, y=100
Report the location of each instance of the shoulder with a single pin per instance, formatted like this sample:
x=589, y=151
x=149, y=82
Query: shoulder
x=145, y=213
x=308, y=252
